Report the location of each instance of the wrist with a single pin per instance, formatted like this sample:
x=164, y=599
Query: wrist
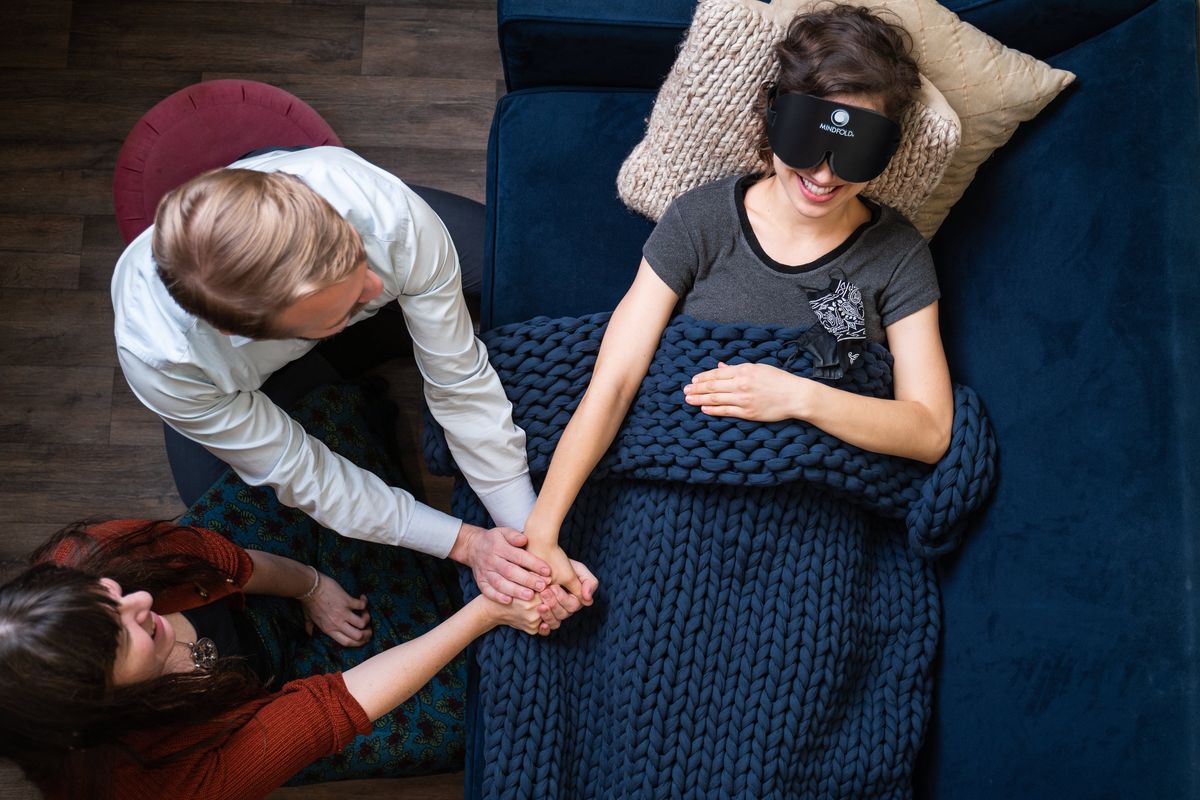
x=803, y=403
x=541, y=531
x=460, y=551
x=312, y=590
x=482, y=614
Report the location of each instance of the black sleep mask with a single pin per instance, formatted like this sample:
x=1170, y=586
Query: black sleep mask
x=805, y=130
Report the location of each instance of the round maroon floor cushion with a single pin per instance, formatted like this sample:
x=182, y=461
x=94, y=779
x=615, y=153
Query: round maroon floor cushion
x=199, y=128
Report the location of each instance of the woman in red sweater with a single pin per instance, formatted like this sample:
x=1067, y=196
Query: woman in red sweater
x=125, y=672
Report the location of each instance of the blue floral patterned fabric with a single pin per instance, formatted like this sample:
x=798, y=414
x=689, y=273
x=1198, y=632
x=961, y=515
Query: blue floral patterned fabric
x=408, y=593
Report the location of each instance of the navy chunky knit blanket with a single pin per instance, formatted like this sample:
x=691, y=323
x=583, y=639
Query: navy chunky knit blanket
x=768, y=611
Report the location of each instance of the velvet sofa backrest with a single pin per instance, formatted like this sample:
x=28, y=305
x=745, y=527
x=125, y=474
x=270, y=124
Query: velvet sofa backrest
x=1044, y=28
x=616, y=43
x=632, y=43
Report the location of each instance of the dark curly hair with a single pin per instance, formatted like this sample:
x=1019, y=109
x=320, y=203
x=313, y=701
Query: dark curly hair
x=843, y=49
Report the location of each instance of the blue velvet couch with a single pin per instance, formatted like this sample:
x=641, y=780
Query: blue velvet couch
x=1071, y=284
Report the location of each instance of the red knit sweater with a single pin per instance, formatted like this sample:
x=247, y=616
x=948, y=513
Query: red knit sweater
x=305, y=720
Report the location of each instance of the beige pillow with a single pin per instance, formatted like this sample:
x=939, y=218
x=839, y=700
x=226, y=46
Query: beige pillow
x=697, y=130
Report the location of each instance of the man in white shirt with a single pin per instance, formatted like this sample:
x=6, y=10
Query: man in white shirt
x=245, y=270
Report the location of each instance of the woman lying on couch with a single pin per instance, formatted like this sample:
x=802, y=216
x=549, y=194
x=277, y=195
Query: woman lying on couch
x=127, y=668
x=796, y=246
x=765, y=536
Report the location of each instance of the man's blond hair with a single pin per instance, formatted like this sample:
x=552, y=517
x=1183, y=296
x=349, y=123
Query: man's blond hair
x=235, y=247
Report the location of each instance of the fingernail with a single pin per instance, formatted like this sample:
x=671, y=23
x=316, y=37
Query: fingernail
x=546, y=571
x=540, y=586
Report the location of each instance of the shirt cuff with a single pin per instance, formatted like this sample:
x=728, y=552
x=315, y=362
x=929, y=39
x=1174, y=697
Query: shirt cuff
x=510, y=504
x=430, y=531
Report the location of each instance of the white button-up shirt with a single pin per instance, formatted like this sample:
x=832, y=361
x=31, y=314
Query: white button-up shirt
x=205, y=384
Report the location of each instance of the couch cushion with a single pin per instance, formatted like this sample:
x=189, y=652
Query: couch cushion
x=559, y=240
x=1070, y=291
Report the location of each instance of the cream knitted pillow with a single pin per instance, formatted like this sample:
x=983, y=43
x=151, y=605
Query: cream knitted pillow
x=703, y=122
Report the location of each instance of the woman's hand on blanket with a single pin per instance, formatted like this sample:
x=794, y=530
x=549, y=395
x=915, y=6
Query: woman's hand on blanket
x=748, y=391
x=502, y=566
x=341, y=617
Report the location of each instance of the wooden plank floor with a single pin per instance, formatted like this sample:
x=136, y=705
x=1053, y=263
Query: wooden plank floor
x=409, y=84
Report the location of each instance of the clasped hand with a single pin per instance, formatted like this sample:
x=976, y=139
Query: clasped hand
x=506, y=571
x=573, y=586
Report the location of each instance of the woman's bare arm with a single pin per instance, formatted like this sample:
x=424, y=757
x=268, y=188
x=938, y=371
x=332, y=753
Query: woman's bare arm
x=386, y=680
x=629, y=344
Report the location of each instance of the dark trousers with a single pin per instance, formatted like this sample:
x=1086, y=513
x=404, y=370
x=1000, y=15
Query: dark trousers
x=347, y=355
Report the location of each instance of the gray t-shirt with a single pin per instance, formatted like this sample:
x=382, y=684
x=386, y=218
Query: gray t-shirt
x=706, y=251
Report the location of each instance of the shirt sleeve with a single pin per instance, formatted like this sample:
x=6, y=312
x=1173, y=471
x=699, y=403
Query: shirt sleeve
x=464, y=393
x=306, y=720
x=265, y=446
x=913, y=286
x=671, y=252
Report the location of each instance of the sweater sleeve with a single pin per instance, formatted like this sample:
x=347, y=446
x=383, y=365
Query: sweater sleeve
x=306, y=720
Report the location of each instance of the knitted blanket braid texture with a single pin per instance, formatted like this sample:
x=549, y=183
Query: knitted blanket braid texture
x=768, y=611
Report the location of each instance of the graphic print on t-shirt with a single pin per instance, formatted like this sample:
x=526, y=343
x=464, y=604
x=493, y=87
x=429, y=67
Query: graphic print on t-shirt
x=840, y=310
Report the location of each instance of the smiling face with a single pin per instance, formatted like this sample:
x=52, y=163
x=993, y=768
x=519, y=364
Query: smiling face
x=817, y=193
x=146, y=640
x=328, y=311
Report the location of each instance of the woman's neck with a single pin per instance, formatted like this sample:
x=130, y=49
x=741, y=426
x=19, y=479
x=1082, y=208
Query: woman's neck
x=185, y=634
x=790, y=237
